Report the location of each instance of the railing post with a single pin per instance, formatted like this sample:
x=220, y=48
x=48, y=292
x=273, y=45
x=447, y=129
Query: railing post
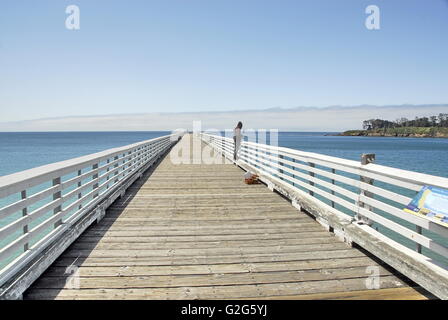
x=332, y=182
x=107, y=170
x=116, y=166
x=124, y=163
x=366, y=158
x=293, y=168
x=132, y=161
x=94, y=177
x=222, y=147
x=419, y=246
x=25, y=213
x=312, y=165
x=80, y=193
x=150, y=150
x=280, y=156
x=143, y=156
x=147, y=155
x=139, y=157
x=56, y=196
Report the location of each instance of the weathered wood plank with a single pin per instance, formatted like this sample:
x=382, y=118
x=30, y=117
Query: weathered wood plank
x=198, y=280
x=203, y=227
x=204, y=238
x=406, y=293
x=130, y=220
x=211, y=292
x=82, y=245
x=147, y=233
x=131, y=252
x=202, y=211
x=254, y=267
x=209, y=259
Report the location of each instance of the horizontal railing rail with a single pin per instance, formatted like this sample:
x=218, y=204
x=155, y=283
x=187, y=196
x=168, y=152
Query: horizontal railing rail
x=39, y=204
x=362, y=193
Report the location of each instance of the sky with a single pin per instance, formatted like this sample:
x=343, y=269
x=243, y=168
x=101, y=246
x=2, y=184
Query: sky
x=172, y=56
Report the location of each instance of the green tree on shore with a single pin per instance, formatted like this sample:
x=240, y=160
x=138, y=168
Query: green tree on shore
x=440, y=121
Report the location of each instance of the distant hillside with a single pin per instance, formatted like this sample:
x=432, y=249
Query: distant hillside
x=414, y=132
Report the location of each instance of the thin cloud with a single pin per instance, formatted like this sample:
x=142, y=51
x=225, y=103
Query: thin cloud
x=331, y=119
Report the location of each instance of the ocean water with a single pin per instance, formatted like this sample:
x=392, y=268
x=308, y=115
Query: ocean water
x=425, y=155
x=21, y=151
x=25, y=150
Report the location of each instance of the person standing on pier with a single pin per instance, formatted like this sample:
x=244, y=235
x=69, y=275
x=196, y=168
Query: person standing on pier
x=237, y=137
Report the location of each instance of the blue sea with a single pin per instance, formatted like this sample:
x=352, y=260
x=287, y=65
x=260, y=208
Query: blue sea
x=21, y=151
x=25, y=150
x=425, y=155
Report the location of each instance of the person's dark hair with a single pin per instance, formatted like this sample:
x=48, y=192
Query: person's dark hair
x=239, y=125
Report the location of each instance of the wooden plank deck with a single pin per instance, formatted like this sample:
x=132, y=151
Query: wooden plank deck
x=196, y=231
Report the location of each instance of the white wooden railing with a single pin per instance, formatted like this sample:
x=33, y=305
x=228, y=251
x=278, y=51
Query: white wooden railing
x=40, y=204
x=362, y=192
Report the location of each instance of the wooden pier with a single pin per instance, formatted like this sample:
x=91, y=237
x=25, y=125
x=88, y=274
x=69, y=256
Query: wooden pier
x=196, y=231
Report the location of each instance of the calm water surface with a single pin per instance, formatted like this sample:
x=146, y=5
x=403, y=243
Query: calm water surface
x=20, y=151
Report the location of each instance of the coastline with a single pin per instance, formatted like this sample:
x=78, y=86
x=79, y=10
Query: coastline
x=404, y=132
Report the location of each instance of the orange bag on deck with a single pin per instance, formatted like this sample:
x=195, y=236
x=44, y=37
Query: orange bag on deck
x=250, y=178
